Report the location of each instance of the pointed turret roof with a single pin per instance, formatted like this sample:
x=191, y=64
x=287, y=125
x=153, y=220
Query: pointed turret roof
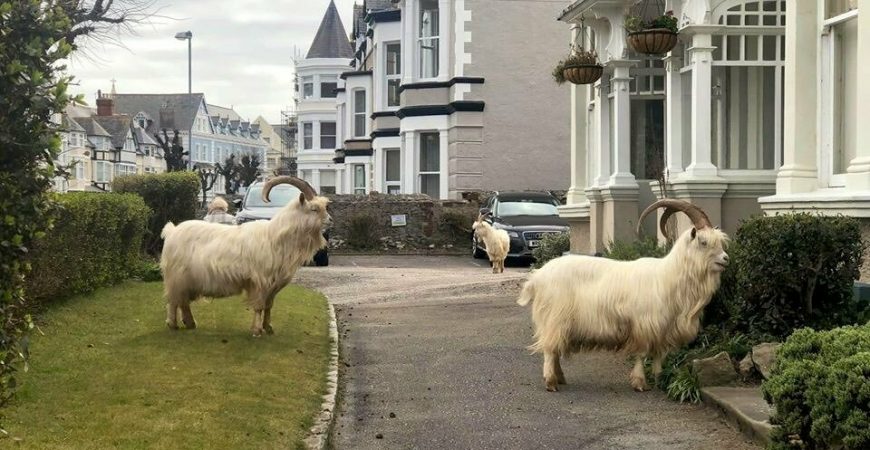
x=331, y=40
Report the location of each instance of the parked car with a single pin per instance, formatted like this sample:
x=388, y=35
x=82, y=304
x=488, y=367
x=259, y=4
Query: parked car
x=252, y=207
x=526, y=216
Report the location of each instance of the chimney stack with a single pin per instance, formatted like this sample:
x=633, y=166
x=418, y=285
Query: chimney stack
x=105, y=105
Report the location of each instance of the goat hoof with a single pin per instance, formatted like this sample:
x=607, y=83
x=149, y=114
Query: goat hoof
x=269, y=330
x=552, y=385
x=171, y=326
x=190, y=326
x=640, y=387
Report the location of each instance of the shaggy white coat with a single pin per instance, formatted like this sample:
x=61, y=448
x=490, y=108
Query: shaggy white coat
x=645, y=307
x=497, y=243
x=202, y=259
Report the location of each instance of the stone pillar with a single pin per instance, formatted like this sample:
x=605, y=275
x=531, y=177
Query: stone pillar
x=674, y=115
x=702, y=71
x=621, y=126
x=858, y=173
x=444, y=163
x=409, y=174
x=800, y=112
x=602, y=147
x=315, y=179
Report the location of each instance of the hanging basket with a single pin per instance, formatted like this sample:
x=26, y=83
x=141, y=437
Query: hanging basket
x=653, y=41
x=583, y=73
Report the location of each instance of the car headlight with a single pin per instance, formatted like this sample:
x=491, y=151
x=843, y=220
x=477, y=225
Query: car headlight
x=513, y=234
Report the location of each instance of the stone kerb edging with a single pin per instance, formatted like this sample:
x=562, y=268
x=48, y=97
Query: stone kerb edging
x=319, y=432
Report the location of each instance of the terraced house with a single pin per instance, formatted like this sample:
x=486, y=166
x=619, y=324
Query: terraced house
x=441, y=97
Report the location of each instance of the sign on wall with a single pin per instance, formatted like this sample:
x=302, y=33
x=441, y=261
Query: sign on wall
x=398, y=220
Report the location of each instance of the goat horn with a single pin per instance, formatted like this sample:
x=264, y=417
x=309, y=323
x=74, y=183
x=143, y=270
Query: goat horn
x=302, y=185
x=696, y=215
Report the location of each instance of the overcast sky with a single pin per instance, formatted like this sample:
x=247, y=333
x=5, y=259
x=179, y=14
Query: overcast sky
x=242, y=53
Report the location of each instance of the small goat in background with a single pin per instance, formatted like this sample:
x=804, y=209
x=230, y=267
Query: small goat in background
x=497, y=242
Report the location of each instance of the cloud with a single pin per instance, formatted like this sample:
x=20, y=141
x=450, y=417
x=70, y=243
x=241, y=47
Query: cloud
x=242, y=53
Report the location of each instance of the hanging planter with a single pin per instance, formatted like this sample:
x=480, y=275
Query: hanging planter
x=653, y=37
x=581, y=67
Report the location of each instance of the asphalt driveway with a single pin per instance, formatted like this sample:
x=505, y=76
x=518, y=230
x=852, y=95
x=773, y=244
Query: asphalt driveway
x=433, y=355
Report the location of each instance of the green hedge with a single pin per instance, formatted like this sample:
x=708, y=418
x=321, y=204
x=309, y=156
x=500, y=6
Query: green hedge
x=552, y=246
x=96, y=241
x=787, y=272
x=820, y=388
x=173, y=197
x=647, y=247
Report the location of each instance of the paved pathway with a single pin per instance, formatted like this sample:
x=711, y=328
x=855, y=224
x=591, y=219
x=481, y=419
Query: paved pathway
x=433, y=357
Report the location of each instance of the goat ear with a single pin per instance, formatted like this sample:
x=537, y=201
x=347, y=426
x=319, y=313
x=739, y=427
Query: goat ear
x=694, y=232
x=302, y=199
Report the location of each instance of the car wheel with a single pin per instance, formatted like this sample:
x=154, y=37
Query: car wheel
x=321, y=259
x=476, y=252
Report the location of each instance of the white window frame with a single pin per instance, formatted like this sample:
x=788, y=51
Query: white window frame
x=829, y=107
x=307, y=80
x=397, y=184
x=420, y=43
x=359, y=190
x=334, y=134
x=80, y=168
x=327, y=79
x=357, y=115
x=388, y=77
x=310, y=136
x=103, y=171
x=419, y=153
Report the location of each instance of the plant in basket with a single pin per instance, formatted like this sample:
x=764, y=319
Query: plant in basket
x=581, y=67
x=655, y=36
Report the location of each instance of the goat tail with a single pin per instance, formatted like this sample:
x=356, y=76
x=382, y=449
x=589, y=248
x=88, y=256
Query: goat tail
x=167, y=230
x=528, y=293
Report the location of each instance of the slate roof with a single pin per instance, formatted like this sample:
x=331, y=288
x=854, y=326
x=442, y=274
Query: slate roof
x=92, y=128
x=215, y=110
x=331, y=40
x=143, y=137
x=118, y=126
x=68, y=124
x=179, y=110
x=379, y=5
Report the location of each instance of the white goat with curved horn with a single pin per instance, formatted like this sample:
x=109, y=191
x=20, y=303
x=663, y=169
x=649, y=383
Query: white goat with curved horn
x=645, y=308
x=202, y=259
x=497, y=242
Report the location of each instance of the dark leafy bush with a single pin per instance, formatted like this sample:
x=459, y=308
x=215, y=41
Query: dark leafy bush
x=647, y=247
x=552, y=246
x=96, y=241
x=361, y=232
x=790, y=271
x=820, y=388
x=147, y=271
x=455, y=226
x=172, y=196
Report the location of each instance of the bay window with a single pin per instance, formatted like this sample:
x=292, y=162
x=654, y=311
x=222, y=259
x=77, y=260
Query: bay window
x=840, y=55
x=392, y=170
x=328, y=84
x=430, y=165
x=359, y=113
x=393, y=69
x=327, y=182
x=327, y=135
x=103, y=171
x=307, y=87
x=428, y=38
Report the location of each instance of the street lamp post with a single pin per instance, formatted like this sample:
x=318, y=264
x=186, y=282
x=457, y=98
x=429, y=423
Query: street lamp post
x=188, y=36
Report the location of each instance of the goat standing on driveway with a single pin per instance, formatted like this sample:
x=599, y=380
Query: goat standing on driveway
x=497, y=242
x=202, y=259
x=646, y=307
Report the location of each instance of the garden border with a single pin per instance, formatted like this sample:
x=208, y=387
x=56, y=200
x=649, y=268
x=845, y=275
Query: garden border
x=318, y=434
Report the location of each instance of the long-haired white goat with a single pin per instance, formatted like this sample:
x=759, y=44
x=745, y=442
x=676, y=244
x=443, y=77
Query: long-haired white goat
x=202, y=259
x=645, y=307
x=497, y=242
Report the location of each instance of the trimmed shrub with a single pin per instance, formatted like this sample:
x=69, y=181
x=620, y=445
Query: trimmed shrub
x=173, y=197
x=96, y=241
x=820, y=388
x=455, y=226
x=647, y=247
x=552, y=246
x=361, y=232
x=790, y=271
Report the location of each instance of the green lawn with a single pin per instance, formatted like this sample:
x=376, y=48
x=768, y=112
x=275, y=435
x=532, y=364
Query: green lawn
x=107, y=373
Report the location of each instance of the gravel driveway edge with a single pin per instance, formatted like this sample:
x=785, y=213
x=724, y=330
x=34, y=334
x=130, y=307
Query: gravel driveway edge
x=318, y=434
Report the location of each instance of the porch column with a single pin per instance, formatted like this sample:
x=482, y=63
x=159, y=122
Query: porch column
x=444, y=164
x=444, y=43
x=858, y=173
x=315, y=179
x=621, y=125
x=339, y=178
x=579, y=98
x=674, y=115
x=702, y=72
x=368, y=175
x=602, y=150
x=408, y=174
x=800, y=113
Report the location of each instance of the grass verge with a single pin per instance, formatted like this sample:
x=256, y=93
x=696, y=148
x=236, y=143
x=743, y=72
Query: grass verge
x=107, y=373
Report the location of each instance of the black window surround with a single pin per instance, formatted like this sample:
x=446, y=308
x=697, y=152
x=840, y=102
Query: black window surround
x=441, y=110
x=355, y=73
x=442, y=84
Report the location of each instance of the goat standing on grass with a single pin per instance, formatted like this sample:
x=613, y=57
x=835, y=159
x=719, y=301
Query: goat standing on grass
x=497, y=242
x=646, y=307
x=202, y=259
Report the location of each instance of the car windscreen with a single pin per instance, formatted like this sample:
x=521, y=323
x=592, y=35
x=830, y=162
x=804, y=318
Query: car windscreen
x=526, y=208
x=280, y=195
